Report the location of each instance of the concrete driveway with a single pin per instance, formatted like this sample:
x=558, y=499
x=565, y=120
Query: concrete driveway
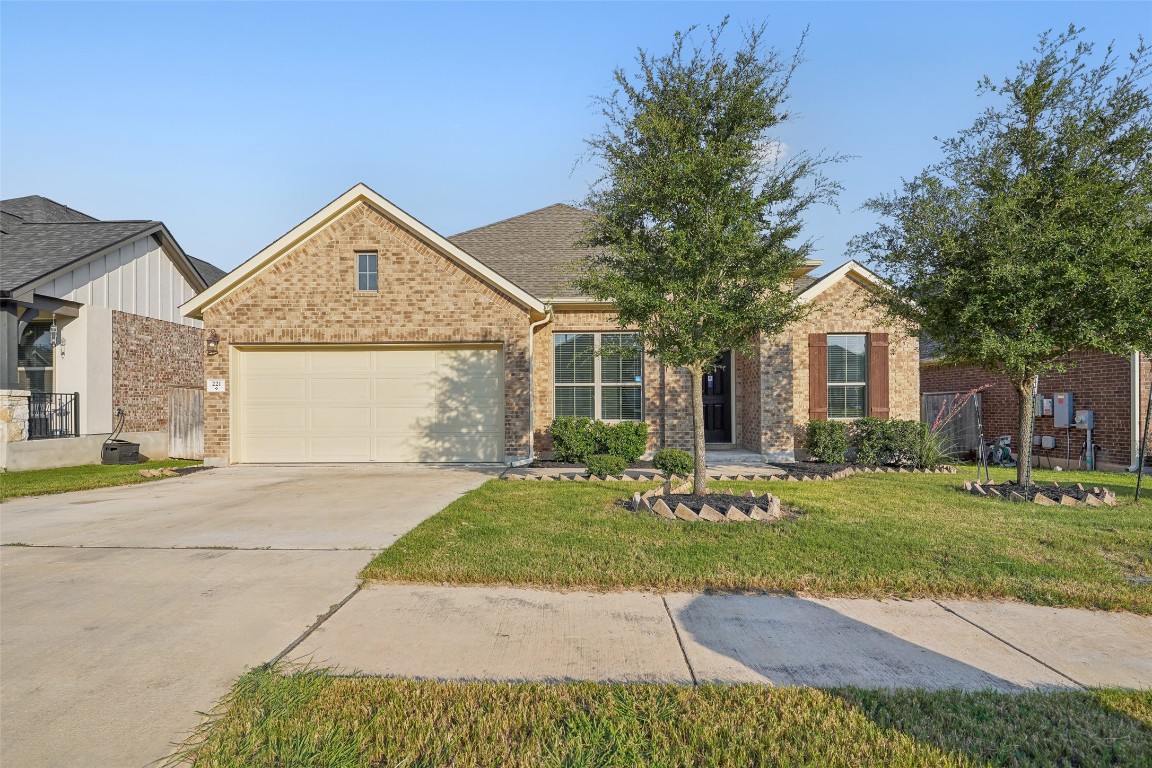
x=133, y=608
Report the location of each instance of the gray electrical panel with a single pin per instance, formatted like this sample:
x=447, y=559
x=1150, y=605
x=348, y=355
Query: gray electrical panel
x=1063, y=412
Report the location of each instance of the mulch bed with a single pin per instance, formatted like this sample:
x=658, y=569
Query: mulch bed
x=549, y=464
x=1044, y=494
x=721, y=502
x=190, y=470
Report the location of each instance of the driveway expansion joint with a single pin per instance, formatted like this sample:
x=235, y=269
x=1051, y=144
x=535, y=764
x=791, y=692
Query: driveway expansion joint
x=315, y=626
x=680, y=642
x=1016, y=648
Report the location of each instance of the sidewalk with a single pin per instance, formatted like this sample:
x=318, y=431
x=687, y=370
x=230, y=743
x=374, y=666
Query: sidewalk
x=520, y=634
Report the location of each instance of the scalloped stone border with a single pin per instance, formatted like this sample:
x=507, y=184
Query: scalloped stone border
x=646, y=477
x=1095, y=497
x=767, y=509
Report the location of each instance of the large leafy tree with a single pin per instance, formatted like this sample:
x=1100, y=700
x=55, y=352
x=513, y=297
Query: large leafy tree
x=1032, y=237
x=697, y=216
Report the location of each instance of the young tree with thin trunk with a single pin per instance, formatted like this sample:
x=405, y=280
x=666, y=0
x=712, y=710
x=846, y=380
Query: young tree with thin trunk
x=697, y=216
x=1032, y=238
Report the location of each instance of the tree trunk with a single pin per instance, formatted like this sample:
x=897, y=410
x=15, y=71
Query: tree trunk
x=1026, y=426
x=700, y=471
x=1143, y=445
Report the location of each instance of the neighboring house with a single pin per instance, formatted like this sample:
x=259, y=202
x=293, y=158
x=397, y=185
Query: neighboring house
x=1115, y=388
x=363, y=335
x=91, y=326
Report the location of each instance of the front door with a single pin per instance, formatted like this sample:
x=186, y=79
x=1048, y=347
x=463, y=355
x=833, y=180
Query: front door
x=717, y=388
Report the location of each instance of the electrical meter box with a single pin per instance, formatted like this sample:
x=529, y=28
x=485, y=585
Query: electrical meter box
x=1063, y=414
x=1041, y=406
x=1085, y=419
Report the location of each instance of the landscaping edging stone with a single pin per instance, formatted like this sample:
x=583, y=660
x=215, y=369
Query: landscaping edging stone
x=763, y=509
x=1045, y=495
x=648, y=477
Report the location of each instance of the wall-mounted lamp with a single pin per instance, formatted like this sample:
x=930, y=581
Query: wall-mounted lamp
x=213, y=343
x=56, y=340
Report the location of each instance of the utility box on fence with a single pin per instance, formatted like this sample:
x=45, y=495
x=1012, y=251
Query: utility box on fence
x=1063, y=413
x=120, y=452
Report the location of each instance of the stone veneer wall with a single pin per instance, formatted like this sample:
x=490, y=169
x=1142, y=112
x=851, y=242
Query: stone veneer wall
x=1098, y=382
x=308, y=296
x=14, y=415
x=149, y=358
x=843, y=308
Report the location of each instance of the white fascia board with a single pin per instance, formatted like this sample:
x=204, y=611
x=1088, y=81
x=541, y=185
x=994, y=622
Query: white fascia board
x=835, y=276
x=195, y=306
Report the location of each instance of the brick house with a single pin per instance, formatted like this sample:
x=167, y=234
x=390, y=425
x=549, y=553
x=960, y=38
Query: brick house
x=363, y=335
x=91, y=326
x=1115, y=388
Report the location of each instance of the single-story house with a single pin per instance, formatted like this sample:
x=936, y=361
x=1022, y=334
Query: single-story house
x=91, y=327
x=364, y=335
x=1114, y=388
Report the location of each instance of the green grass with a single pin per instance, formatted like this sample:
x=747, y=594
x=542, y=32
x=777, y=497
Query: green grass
x=311, y=719
x=868, y=535
x=38, y=482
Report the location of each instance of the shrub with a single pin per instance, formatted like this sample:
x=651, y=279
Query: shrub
x=869, y=439
x=889, y=441
x=673, y=461
x=575, y=438
x=903, y=441
x=603, y=465
x=626, y=439
x=827, y=441
x=572, y=438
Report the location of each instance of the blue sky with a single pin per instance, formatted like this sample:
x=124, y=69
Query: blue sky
x=232, y=122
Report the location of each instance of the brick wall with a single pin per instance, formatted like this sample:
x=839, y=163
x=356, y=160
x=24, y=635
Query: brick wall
x=843, y=308
x=308, y=296
x=1098, y=382
x=747, y=392
x=149, y=358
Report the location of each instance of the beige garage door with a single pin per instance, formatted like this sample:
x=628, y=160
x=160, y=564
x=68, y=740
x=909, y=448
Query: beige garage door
x=380, y=404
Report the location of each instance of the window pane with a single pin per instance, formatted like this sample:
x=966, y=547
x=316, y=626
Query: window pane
x=847, y=359
x=620, y=403
x=366, y=272
x=575, y=401
x=574, y=359
x=35, y=347
x=621, y=358
x=846, y=402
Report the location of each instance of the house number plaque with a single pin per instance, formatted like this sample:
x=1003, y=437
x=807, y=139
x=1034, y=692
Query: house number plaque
x=216, y=385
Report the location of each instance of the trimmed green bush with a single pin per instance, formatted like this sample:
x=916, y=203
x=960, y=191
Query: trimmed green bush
x=898, y=442
x=827, y=441
x=626, y=439
x=673, y=461
x=572, y=438
x=575, y=438
x=870, y=441
x=604, y=464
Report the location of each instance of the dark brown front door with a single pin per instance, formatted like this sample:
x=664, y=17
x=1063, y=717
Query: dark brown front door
x=717, y=411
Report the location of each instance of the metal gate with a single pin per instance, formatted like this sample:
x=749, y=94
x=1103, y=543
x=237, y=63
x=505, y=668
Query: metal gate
x=186, y=423
x=957, y=416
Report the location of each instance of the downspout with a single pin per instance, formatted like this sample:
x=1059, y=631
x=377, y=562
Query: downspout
x=548, y=317
x=1137, y=423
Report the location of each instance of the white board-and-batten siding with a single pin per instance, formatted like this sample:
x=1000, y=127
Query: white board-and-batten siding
x=138, y=278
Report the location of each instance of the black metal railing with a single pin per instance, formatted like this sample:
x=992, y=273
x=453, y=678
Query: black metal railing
x=53, y=414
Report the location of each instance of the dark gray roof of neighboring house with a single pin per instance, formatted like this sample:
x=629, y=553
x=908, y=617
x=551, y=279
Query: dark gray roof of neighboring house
x=803, y=283
x=537, y=250
x=929, y=349
x=210, y=272
x=41, y=210
x=39, y=236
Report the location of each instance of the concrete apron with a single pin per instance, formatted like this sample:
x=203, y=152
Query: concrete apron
x=500, y=633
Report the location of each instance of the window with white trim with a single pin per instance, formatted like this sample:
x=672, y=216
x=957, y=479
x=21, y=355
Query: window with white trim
x=367, y=278
x=847, y=376
x=599, y=375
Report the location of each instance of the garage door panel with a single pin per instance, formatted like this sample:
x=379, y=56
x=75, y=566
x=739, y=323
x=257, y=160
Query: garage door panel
x=398, y=404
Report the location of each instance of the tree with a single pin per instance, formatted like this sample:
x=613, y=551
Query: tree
x=697, y=214
x=1032, y=237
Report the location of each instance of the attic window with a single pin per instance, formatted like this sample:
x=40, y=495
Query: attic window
x=366, y=275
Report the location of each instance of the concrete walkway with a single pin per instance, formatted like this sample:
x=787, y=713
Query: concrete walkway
x=520, y=634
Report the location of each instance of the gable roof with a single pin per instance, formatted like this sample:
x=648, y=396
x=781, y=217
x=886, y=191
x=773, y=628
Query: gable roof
x=211, y=273
x=536, y=250
x=361, y=193
x=40, y=237
x=821, y=284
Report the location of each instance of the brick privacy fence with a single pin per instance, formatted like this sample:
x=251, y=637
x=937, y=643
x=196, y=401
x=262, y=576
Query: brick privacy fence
x=149, y=358
x=1098, y=382
x=308, y=296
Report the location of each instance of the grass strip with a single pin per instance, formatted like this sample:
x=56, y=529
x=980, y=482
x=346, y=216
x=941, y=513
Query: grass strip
x=866, y=536
x=40, y=482
x=312, y=719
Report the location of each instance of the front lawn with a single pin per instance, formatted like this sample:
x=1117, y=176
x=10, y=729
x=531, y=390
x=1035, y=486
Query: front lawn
x=868, y=535
x=38, y=482
x=311, y=719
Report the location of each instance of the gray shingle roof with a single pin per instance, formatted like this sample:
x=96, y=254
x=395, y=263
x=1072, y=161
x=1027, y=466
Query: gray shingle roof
x=537, y=250
x=210, y=272
x=41, y=210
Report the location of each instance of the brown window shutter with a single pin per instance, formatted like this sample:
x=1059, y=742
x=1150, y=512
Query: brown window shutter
x=878, y=375
x=818, y=376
